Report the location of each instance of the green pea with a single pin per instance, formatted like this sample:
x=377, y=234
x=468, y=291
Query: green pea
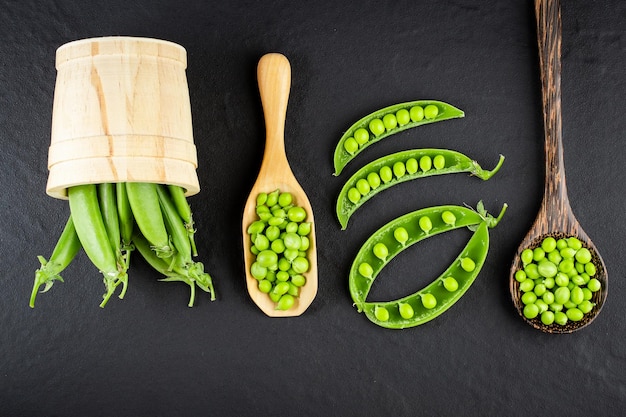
x=267, y=258
x=527, y=256
x=416, y=113
x=258, y=271
x=561, y=295
x=381, y=313
x=543, y=306
x=538, y=254
x=285, y=302
x=380, y=251
x=401, y=235
x=583, y=255
x=363, y=186
x=555, y=257
x=547, y=317
x=305, y=243
x=261, y=242
x=254, y=250
x=272, y=198
x=399, y=169
x=561, y=244
x=256, y=227
x=261, y=199
x=274, y=297
x=296, y=214
x=282, y=276
x=527, y=285
x=568, y=253
x=281, y=288
x=285, y=199
x=377, y=127
x=300, y=265
x=361, y=136
x=587, y=294
x=448, y=218
x=594, y=285
x=304, y=229
x=429, y=301
x=549, y=283
x=547, y=269
x=374, y=180
x=531, y=311
x=556, y=307
x=431, y=111
x=560, y=318
x=366, y=270
x=298, y=280
x=450, y=284
x=390, y=121
x=539, y=289
x=351, y=145
x=561, y=280
x=426, y=163
x=548, y=244
x=548, y=297
x=425, y=224
x=411, y=165
x=529, y=298
x=580, y=268
x=520, y=275
x=590, y=269
x=578, y=280
x=278, y=246
x=386, y=174
x=574, y=243
x=292, y=241
x=406, y=311
x=468, y=264
x=403, y=117
x=585, y=306
x=574, y=314
x=439, y=162
x=284, y=264
x=576, y=295
x=265, y=286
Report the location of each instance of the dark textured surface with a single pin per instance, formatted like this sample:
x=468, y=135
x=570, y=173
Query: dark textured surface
x=151, y=355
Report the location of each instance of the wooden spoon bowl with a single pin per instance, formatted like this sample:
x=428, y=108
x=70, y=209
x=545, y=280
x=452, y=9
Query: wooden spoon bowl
x=555, y=217
x=274, y=78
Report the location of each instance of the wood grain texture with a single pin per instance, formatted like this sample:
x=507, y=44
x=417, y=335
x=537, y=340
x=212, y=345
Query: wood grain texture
x=555, y=217
x=274, y=78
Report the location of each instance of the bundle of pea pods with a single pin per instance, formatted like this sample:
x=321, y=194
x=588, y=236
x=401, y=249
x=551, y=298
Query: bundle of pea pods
x=399, y=234
x=109, y=221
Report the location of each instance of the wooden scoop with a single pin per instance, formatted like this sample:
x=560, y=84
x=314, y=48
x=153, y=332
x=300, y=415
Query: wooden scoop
x=274, y=78
x=555, y=216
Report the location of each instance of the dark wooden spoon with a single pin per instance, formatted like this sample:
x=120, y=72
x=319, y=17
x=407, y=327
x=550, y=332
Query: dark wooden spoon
x=555, y=217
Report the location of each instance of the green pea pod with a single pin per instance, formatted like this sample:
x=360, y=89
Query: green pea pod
x=64, y=252
x=184, y=210
x=90, y=228
x=388, y=121
x=434, y=299
x=124, y=213
x=146, y=209
x=174, y=224
x=108, y=206
x=400, y=167
x=368, y=263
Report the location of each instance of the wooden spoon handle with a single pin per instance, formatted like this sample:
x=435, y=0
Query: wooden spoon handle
x=274, y=78
x=549, y=27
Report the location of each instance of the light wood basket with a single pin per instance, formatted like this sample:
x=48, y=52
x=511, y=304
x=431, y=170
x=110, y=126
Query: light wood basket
x=121, y=113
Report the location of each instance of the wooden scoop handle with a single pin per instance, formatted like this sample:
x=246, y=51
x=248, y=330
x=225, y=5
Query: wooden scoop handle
x=274, y=79
x=549, y=28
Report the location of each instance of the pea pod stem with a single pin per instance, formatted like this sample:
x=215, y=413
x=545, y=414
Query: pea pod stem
x=342, y=157
x=454, y=162
x=360, y=285
x=64, y=252
x=90, y=228
x=126, y=220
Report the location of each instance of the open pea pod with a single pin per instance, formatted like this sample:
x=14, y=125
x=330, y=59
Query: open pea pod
x=388, y=121
x=401, y=233
x=399, y=167
x=441, y=294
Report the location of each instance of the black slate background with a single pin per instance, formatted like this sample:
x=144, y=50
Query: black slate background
x=150, y=355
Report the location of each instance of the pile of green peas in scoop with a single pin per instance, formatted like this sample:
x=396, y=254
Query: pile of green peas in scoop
x=279, y=241
x=388, y=123
x=557, y=281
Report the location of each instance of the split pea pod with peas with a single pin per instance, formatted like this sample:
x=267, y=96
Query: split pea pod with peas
x=388, y=121
x=400, y=167
x=399, y=234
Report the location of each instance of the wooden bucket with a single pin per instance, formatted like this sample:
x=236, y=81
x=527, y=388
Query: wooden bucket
x=121, y=113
